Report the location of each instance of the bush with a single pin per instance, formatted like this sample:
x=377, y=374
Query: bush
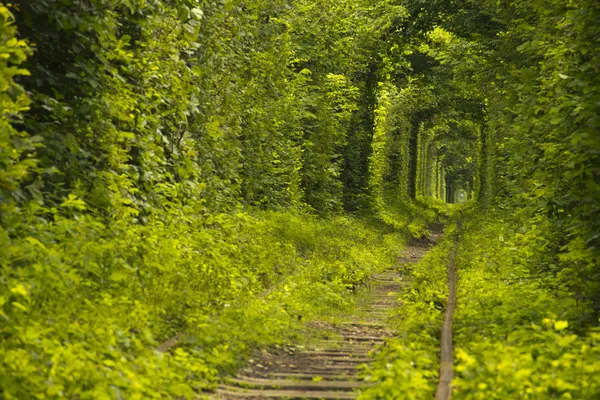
x=519, y=332
x=87, y=303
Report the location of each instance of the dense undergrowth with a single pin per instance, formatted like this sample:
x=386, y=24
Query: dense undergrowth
x=520, y=328
x=88, y=327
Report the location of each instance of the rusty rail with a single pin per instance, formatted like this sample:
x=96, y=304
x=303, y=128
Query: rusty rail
x=444, y=388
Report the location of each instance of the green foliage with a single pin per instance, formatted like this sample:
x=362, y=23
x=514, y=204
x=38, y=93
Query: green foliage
x=156, y=122
x=534, y=67
x=513, y=338
x=16, y=148
x=324, y=137
x=548, y=362
x=111, y=294
x=155, y=156
x=558, y=119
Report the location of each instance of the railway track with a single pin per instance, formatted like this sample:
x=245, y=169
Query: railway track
x=330, y=368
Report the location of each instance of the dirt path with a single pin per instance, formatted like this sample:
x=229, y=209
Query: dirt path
x=329, y=368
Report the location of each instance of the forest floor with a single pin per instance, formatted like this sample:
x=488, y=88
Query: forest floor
x=329, y=364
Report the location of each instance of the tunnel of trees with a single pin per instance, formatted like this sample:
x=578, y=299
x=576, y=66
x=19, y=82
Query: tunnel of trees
x=202, y=165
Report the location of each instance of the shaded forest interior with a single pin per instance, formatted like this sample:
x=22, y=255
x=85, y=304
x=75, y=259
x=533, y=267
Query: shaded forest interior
x=228, y=170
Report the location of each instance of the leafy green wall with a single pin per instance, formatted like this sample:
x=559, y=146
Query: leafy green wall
x=151, y=147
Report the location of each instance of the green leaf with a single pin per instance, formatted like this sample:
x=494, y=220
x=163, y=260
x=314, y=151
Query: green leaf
x=560, y=325
x=119, y=276
x=183, y=13
x=197, y=13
